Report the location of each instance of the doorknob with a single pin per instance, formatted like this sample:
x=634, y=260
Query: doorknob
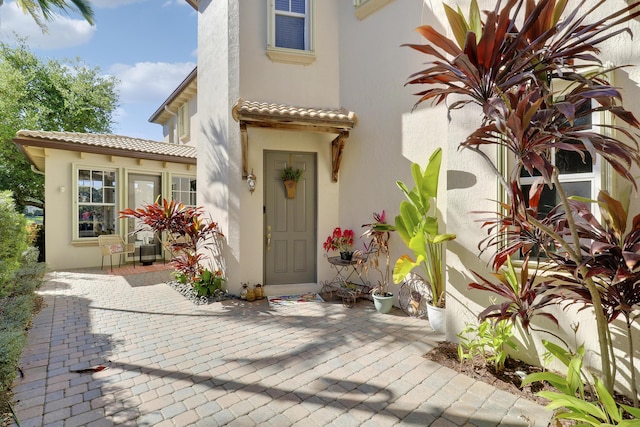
x=268, y=237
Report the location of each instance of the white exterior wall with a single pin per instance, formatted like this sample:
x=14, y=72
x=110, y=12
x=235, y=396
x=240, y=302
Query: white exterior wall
x=388, y=137
x=61, y=251
x=314, y=85
x=218, y=136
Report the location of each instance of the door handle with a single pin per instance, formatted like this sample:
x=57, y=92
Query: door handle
x=268, y=237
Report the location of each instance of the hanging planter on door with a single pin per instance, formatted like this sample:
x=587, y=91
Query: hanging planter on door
x=290, y=186
x=290, y=178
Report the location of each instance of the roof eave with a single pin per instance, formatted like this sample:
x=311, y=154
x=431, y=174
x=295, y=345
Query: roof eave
x=24, y=143
x=193, y=4
x=175, y=94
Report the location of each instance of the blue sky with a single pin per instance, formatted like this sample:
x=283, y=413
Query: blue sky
x=149, y=45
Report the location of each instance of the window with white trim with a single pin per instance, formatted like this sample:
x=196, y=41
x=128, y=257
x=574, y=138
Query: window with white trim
x=578, y=176
x=183, y=189
x=183, y=121
x=96, y=203
x=290, y=31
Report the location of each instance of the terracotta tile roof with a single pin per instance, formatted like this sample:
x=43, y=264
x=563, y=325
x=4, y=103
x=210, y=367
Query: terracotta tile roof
x=107, y=143
x=253, y=111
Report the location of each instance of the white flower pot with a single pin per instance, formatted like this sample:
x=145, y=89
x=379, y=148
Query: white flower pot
x=437, y=318
x=382, y=304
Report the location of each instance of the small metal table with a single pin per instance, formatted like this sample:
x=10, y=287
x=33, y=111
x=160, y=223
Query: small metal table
x=147, y=254
x=348, y=282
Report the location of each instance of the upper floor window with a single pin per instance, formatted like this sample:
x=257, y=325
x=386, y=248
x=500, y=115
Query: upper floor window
x=183, y=122
x=290, y=29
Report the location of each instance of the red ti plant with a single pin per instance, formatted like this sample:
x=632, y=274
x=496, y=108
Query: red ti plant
x=186, y=231
x=611, y=258
x=524, y=296
x=504, y=60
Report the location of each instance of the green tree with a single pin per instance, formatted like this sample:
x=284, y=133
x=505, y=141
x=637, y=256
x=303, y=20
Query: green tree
x=39, y=9
x=49, y=95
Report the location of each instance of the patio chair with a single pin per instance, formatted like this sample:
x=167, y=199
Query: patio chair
x=113, y=244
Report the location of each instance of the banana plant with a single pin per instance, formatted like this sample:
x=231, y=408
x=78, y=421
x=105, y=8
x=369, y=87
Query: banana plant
x=417, y=225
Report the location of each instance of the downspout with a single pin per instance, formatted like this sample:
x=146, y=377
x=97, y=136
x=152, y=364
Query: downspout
x=33, y=167
x=175, y=130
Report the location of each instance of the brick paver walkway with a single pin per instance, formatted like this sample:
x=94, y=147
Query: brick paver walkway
x=173, y=363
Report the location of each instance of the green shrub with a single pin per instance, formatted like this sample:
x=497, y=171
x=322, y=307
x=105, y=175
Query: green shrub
x=13, y=242
x=11, y=344
x=489, y=339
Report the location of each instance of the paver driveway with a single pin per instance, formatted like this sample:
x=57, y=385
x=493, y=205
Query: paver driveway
x=173, y=363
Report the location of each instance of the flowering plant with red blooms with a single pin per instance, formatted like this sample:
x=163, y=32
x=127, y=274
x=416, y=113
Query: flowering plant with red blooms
x=340, y=240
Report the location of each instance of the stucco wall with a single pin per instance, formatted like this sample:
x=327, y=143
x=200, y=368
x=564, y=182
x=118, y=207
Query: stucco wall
x=314, y=85
x=389, y=137
x=62, y=251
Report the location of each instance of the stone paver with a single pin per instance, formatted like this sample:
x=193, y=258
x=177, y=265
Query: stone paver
x=172, y=363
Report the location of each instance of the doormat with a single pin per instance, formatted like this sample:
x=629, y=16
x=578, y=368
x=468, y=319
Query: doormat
x=285, y=300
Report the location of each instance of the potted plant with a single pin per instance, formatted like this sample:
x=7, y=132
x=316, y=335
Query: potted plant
x=290, y=177
x=376, y=256
x=417, y=225
x=342, y=241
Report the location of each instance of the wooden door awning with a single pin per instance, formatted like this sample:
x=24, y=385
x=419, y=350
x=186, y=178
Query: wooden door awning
x=280, y=116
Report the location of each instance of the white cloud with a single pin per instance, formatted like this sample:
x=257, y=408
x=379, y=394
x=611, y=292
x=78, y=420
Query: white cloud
x=149, y=81
x=62, y=31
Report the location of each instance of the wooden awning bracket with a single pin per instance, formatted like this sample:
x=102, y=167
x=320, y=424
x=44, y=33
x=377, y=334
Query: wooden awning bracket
x=301, y=119
x=337, y=146
x=244, y=140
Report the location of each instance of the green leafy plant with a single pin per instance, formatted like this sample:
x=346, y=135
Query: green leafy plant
x=290, y=174
x=489, y=339
x=208, y=282
x=570, y=400
x=417, y=225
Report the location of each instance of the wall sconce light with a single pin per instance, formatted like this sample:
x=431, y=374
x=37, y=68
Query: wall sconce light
x=61, y=189
x=251, y=182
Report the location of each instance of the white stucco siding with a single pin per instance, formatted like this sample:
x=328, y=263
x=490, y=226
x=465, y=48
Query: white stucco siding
x=314, y=85
x=62, y=251
x=389, y=137
x=219, y=156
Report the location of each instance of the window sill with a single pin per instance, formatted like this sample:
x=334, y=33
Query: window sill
x=370, y=7
x=89, y=241
x=291, y=56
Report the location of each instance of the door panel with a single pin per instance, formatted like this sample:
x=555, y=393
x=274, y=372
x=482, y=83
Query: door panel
x=143, y=190
x=290, y=252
